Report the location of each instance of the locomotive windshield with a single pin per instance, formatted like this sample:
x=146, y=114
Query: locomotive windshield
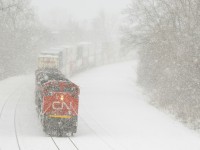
x=53, y=88
x=48, y=90
x=68, y=89
x=59, y=87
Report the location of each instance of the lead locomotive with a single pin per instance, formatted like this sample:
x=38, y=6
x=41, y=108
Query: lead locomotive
x=57, y=100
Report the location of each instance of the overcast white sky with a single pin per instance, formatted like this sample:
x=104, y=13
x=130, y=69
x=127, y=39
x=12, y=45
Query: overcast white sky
x=79, y=9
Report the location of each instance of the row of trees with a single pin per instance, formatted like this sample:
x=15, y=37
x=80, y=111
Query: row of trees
x=168, y=34
x=19, y=33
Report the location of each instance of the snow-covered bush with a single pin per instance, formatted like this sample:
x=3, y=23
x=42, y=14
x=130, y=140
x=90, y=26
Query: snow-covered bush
x=168, y=33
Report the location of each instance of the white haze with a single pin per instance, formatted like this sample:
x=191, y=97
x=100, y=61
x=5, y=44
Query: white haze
x=50, y=11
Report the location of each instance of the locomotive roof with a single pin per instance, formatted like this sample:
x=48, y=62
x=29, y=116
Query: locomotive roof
x=49, y=55
x=57, y=81
x=54, y=51
x=84, y=43
x=50, y=52
x=47, y=75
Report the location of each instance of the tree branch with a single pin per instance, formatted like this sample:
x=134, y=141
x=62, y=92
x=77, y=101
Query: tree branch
x=7, y=7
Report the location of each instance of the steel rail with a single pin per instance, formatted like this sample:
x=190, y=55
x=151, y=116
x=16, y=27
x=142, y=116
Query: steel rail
x=15, y=126
x=7, y=99
x=55, y=143
x=73, y=143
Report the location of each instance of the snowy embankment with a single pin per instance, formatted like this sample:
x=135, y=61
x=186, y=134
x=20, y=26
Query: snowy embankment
x=114, y=115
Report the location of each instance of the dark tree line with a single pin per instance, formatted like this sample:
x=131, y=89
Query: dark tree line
x=167, y=33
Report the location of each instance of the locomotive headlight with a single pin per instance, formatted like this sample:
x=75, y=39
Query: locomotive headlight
x=62, y=98
x=69, y=112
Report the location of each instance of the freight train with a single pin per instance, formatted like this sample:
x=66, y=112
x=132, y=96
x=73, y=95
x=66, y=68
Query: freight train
x=83, y=55
x=56, y=97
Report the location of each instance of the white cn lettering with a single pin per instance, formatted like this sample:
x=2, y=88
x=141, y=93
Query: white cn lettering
x=60, y=105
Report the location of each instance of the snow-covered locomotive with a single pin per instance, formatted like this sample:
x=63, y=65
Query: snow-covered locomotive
x=56, y=98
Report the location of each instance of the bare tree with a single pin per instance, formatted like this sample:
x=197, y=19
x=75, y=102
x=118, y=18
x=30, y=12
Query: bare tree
x=17, y=26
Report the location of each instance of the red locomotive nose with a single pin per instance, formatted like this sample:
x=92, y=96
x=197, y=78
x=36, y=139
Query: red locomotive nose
x=60, y=103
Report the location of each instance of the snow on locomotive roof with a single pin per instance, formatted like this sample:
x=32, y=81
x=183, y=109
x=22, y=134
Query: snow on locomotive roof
x=55, y=51
x=50, y=52
x=50, y=75
x=84, y=43
x=49, y=55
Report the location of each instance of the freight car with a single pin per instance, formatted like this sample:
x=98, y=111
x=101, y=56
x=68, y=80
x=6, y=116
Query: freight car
x=57, y=101
x=51, y=59
x=77, y=57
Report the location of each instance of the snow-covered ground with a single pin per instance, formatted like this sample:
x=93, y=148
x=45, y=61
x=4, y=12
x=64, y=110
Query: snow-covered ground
x=114, y=115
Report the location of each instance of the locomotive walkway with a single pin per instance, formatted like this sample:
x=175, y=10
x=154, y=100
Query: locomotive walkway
x=113, y=115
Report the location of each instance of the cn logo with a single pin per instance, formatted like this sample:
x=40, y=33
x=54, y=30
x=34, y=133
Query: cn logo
x=60, y=105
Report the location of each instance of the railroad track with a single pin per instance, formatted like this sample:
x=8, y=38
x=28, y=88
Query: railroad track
x=15, y=115
x=14, y=98
x=55, y=140
x=15, y=126
x=73, y=143
x=55, y=143
x=70, y=144
x=97, y=135
x=109, y=136
x=70, y=141
x=58, y=144
x=7, y=99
